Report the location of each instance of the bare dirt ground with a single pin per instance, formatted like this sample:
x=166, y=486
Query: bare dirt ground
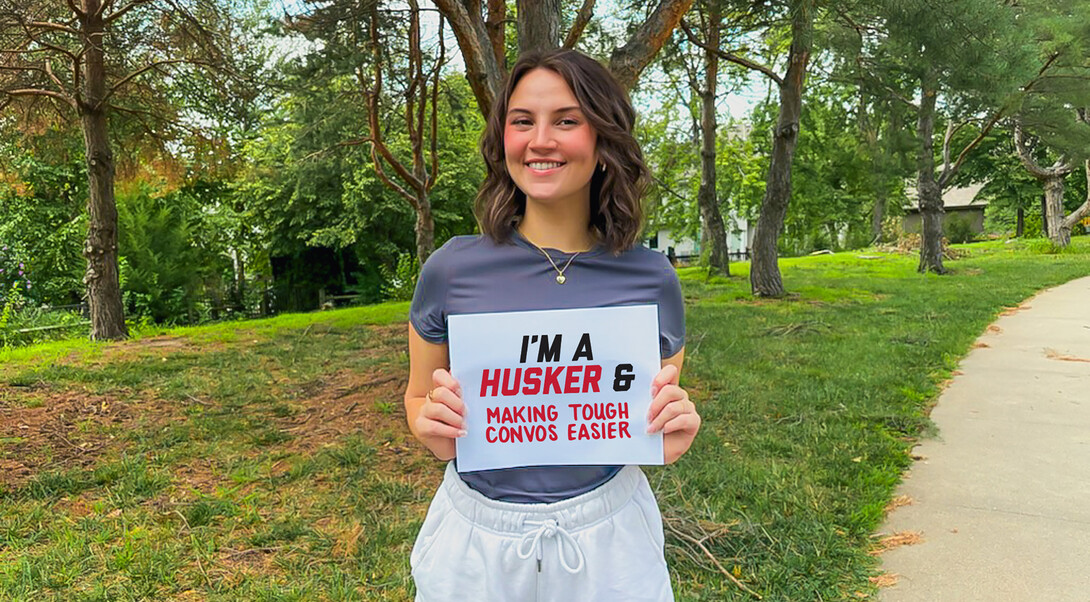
x=43, y=426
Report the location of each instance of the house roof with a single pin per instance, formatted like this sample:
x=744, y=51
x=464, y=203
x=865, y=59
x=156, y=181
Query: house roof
x=953, y=198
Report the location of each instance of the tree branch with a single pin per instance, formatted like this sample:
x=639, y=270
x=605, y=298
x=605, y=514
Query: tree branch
x=951, y=129
x=628, y=61
x=434, y=175
x=114, y=88
x=1024, y=148
x=581, y=19
x=54, y=27
x=727, y=56
x=948, y=174
x=378, y=147
x=478, y=52
x=75, y=9
x=38, y=92
x=49, y=72
x=386, y=180
x=124, y=9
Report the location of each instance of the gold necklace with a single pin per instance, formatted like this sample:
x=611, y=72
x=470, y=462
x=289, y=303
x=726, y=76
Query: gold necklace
x=560, y=278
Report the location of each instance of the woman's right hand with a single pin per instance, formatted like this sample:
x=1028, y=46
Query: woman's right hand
x=442, y=417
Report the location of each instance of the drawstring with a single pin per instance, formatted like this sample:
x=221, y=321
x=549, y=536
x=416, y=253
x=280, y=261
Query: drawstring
x=548, y=529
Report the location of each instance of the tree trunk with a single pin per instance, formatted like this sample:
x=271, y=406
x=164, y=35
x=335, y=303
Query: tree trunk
x=707, y=199
x=1054, y=210
x=929, y=192
x=1077, y=215
x=1044, y=215
x=538, y=24
x=425, y=230
x=483, y=71
x=100, y=248
x=495, y=26
x=879, y=213
x=764, y=276
x=1052, y=180
x=1020, y=223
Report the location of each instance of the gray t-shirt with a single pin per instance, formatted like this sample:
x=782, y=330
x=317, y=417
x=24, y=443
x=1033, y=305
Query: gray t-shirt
x=474, y=274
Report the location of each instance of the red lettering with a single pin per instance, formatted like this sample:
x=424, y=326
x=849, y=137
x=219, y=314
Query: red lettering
x=493, y=382
x=591, y=374
x=493, y=414
x=623, y=431
x=622, y=412
x=517, y=413
x=507, y=416
x=514, y=388
x=553, y=414
x=574, y=410
x=490, y=434
x=571, y=383
x=612, y=430
x=551, y=379
x=533, y=381
x=583, y=434
x=571, y=432
x=552, y=432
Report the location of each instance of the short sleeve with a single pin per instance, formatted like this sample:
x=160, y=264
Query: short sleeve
x=671, y=314
x=428, y=311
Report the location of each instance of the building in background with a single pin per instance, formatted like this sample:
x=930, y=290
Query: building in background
x=739, y=239
x=959, y=203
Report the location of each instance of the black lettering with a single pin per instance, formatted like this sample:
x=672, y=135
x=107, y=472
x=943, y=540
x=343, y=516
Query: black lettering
x=525, y=345
x=583, y=348
x=623, y=377
x=549, y=352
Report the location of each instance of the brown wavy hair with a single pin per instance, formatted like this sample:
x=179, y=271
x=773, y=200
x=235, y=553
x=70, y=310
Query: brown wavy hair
x=615, y=193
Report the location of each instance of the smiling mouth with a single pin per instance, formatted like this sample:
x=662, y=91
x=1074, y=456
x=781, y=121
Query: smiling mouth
x=544, y=165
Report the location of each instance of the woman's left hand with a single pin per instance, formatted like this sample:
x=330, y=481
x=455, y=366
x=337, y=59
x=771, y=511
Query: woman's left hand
x=673, y=413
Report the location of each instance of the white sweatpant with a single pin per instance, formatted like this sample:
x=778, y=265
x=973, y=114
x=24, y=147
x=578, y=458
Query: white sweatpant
x=605, y=545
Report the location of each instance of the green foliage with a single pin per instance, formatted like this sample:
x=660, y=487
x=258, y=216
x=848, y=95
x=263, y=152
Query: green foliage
x=161, y=268
x=958, y=228
x=400, y=282
x=41, y=215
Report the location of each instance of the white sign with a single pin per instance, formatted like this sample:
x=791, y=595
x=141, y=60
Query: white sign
x=570, y=386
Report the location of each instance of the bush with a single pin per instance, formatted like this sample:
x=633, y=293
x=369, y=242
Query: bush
x=400, y=282
x=958, y=229
x=16, y=314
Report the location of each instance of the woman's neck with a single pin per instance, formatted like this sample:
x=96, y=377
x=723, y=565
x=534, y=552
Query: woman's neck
x=566, y=231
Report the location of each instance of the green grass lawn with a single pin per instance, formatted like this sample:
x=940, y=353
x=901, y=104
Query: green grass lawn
x=268, y=460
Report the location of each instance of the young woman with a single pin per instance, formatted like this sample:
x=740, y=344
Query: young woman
x=560, y=215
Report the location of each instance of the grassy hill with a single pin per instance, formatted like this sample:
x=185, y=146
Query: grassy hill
x=269, y=460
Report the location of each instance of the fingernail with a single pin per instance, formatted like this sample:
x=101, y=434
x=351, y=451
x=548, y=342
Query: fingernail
x=461, y=433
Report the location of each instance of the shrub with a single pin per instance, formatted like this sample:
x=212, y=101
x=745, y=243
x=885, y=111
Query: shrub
x=958, y=229
x=400, y=282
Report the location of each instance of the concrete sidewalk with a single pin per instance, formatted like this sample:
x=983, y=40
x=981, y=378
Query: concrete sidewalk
x=1002, y=496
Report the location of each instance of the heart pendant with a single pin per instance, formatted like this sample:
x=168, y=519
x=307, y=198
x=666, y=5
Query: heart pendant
x=560, y=279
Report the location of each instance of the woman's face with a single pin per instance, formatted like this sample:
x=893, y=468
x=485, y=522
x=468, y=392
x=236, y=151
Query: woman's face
x=549, y=146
